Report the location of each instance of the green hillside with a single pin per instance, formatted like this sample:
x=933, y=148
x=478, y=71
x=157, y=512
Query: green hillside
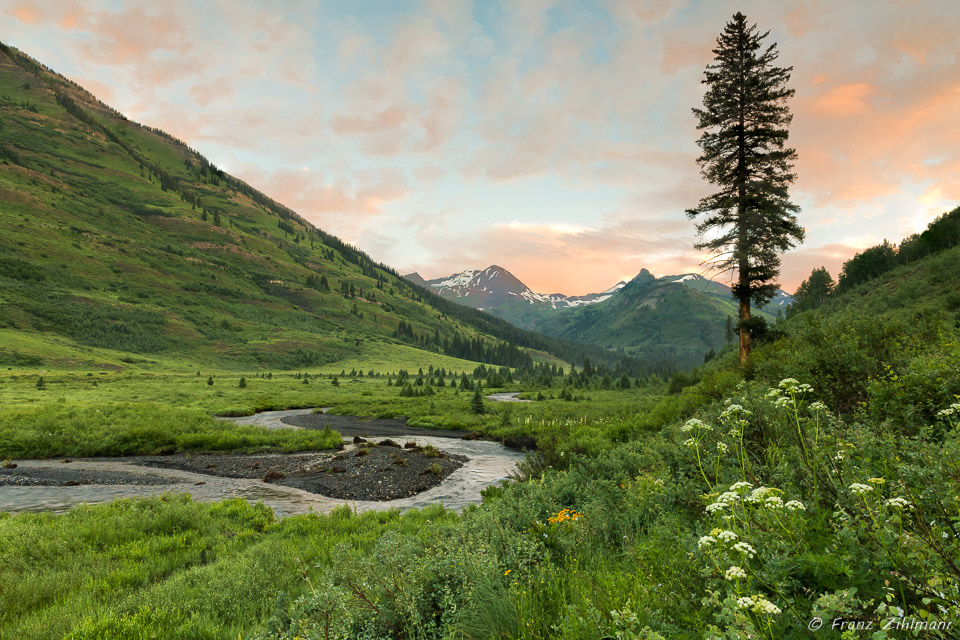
x=121, y=245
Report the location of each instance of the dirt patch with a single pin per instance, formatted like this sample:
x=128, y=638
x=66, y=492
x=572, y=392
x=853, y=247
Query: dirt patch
x=377, y=427
x=383, y=472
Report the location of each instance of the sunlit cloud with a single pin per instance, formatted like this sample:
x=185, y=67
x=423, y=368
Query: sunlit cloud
x=550, y=137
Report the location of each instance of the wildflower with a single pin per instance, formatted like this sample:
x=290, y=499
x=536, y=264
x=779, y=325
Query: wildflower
x=722, y=448
x=735, y=434
x=818, y=407
x=758, y=604
x=728, y=497
x=782, y=402
x=736, y=486
x=744, y=603
x=694, y=423
x=689, y=442
x=773, y=502
x=876, y=481
x=773, y=393
x=795, y=505
x=705, y=541
x=900, y=503
x=858, y=489
x=953, y=409
x=507, y=572
x=733, y=410
x=565, y=515
x=727, y=536
x=716, y=506
x=734, y=573
x=788, y=384
x=745, y=549
x=759, y=494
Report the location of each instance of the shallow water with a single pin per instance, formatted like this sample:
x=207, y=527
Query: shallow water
x=489, y=462
x=507, y=396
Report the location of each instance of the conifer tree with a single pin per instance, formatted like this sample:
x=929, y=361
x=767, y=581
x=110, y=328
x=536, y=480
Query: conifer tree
x=477, y=403
x=750, y=220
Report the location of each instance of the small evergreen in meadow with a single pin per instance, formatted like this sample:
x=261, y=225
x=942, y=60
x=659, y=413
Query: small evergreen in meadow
x=477, y=403
x=41, y=384
x=243, y=383
x=210, y=381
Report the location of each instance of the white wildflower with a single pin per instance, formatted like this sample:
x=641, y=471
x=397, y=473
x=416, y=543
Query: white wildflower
x=773, y=393
x=788, y=384
x=689, y=442
x=736, y=434
x=859, y=489
x=716, y=506
x=727, y=536
x=745, y=549
x=782, y=402
x=757, y=495
x=737, y=486
x=953, y=409
x=734, y=573
x=900, y=503
x=744, y=603
x=694, y=423
x=722, y=448
x=773, y=502
x=795, y=505
x=762, y=605
x=805, y=388
x=706, y=541
x=818, y=407
x=728, y=497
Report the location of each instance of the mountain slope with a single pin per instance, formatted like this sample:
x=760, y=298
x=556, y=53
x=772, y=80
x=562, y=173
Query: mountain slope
x=118, y=239
x=681, y=317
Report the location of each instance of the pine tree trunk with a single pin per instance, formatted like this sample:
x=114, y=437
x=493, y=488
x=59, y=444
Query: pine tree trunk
x=744, y=330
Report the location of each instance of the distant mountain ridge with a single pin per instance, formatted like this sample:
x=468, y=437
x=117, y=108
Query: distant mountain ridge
x=681, y=316
x=495, y=286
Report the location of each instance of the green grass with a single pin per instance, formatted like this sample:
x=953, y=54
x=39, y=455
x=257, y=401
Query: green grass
x=167, y=565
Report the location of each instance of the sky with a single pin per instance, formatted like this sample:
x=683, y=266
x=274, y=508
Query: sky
x=554, y=138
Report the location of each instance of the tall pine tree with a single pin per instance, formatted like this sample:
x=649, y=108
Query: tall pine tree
x=750, y=220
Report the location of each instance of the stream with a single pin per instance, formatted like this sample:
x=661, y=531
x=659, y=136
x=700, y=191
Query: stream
x=489, y=463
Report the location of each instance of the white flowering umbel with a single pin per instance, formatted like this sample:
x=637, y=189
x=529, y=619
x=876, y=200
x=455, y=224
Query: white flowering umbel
x=698, y=429
x=734, y=573
x=745, y=549
x=859, y=489
x=795, y=505
x=901, y=504
x=758, y=604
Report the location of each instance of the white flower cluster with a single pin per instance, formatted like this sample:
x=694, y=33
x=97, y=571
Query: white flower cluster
x=758, y=604
x=733, y=411
x=722, y=448
x=694, y=423
x=758, y=495
x=734, y=573
x=859, y=489
x=795, y=505
x=900, y=503
x=745, y=549
x=792, y=386
x=952, y=410
x=728, y=497
x=818, y=407
x=737, y=486
x=705, y=542
x=716, y=506
x=773, y=502
x=782, y=402
x=727, y=536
